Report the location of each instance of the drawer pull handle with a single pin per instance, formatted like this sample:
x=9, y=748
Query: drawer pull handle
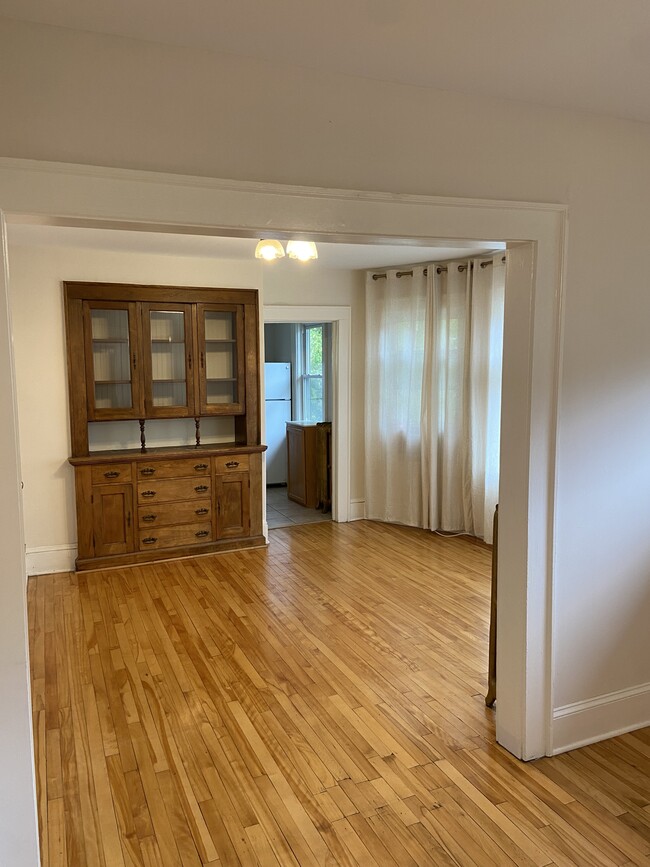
x=150, y=540
x=147, y=471
x=201, y=534
x=201, y=511
x=232, y=464
x=148, y=494
x=199, y=467
x=201, y=489
x=111, y=474
x=149, y=518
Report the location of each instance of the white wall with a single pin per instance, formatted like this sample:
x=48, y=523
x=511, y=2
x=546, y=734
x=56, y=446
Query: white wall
x=140, y=105
x=278, y=342
x=41, y=373
x=37, y=273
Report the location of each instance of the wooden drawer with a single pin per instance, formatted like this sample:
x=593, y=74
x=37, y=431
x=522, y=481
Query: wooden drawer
x=172, y=537
x=231, y=464
x=111, y=474
x=182, y=468
x=167, y=514
x=170, y=490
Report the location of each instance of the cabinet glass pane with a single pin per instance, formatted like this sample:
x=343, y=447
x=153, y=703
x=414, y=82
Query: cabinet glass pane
x=168, y=377
x=220, y=358
x=111, y=359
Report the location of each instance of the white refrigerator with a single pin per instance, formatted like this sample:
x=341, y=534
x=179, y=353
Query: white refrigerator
x=277, y=403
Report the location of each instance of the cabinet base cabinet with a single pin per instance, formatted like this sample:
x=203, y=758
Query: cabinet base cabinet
x=123, y=520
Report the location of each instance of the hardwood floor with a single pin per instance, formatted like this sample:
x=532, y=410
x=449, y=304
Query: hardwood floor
x=316, y=703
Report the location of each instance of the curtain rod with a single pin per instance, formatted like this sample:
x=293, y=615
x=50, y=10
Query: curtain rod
x=441, y=269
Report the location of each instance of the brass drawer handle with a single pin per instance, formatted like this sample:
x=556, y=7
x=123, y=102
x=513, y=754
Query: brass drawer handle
x=232, y=464
x=111, y=474
x=201, y=489
x=201, y=511
x=199, y=467
x=150, y=540
x=201, y=534
x=147, y=471
x=148, y=494
x=149, y=518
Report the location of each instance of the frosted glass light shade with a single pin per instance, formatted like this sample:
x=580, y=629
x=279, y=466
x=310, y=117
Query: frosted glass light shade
x=303, y=250
x=269, y=250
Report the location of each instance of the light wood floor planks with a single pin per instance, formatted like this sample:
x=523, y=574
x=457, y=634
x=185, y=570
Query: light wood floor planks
x=316, y=703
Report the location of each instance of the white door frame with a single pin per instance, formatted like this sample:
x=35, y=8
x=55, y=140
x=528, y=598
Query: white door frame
x=340, y=319
x=19, y=843
x=119, y=198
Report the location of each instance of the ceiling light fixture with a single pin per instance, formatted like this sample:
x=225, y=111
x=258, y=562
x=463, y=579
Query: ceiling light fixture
x=269, y=250
x=302, y=250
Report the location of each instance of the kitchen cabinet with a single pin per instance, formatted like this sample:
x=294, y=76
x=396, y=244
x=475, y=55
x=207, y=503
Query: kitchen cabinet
x=302, y=463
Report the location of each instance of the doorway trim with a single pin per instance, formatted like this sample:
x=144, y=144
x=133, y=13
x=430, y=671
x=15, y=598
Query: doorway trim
x=535, y=234
x=341, y=378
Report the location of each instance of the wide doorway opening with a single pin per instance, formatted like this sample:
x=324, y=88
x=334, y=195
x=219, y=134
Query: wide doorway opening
x=535, y=246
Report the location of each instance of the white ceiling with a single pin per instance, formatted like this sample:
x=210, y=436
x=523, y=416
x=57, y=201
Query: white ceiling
x=589, y=55
x=330, y=255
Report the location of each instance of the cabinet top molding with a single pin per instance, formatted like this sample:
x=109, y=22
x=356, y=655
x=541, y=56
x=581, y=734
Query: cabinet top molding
x=150, y=292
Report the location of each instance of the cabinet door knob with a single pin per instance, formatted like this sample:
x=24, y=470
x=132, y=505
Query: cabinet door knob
x=201, y=489
x=147, y=471
x=201, y=534
x=148, y=494
x=150, y=540
x=201, y=511
x=149, y=518
x=199, y=467
x=232, y=464
x=111, y=474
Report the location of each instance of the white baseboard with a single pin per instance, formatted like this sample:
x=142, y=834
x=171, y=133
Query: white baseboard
x=357, y=510
x=586, y=722
x=56, y=558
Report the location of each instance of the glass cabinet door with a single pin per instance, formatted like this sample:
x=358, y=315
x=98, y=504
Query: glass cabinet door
x=169, y=387
x=111, y=360
x=221, y=371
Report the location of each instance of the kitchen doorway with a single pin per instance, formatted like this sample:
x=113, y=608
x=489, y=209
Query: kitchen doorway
x=298, y=412
x=306, y=384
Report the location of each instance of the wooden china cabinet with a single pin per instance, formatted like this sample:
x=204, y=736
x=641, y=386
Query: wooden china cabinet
x=142, y=354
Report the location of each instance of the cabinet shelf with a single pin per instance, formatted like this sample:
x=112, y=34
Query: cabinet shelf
x=110, y=339
x=112, y=382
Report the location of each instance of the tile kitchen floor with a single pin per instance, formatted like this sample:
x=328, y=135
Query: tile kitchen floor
x=283, y=512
